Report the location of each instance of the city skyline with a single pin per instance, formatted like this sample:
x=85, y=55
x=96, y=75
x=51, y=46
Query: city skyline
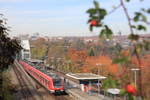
x=62, y=18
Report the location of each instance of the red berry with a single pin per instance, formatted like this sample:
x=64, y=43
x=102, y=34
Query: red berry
x=93, y=22
x=131, y=89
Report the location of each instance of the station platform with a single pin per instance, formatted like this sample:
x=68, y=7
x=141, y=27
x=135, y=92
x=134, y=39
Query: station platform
x=80, y=95
x=74, y=90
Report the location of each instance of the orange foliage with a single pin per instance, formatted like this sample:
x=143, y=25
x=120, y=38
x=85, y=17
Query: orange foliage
x=125, y=52
x=145, y=70
x=39, y=42
x=77, y=55
x=145, y=61
x=105, y=61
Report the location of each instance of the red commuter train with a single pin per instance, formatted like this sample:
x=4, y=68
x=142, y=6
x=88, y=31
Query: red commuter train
x=50, y=81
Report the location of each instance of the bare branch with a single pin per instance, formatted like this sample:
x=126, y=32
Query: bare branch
x=113, y=10
x=127, y=15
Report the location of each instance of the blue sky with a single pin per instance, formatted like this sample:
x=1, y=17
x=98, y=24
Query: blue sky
x=62, y=17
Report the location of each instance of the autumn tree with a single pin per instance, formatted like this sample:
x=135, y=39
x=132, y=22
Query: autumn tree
x=39, y=48
x=9, y=48
x=91, y=52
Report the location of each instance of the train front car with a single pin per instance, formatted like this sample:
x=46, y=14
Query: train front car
x=49, y=80
x=58, y=82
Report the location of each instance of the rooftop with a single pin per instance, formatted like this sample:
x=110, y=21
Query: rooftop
x=84, y=76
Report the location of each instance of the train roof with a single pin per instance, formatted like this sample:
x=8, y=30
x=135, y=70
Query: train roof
x=51, y=74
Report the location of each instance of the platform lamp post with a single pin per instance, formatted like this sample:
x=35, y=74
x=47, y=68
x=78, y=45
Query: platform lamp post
x=52, y=63
x=98, y=65
x=58, y=63
x=135, y=72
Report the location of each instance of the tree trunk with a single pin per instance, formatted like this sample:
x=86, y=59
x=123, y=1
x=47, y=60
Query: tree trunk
x=1, y=86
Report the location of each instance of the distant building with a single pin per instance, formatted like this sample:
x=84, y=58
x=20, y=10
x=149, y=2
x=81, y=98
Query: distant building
x=23, y=36
x=35, y=36
x=93, y=39
x=25, y=52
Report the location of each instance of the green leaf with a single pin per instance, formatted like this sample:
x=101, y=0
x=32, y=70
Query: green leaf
x=142, y=9
x=109, y=32
x=130, y=97
x=136, y=18
x=102, y=13
x=91, y=11
x=133, y=37
x=139, y=45
x=122, y=92
x=109, y=83
x=91, y=28
x=144, y=18
x=91, y=52
x=146, y=45
x=96, y=4
x=148, y=11
x=94, y=17
x=106, y=32
x=141, y=27
x=139, y=16
x=127, y=0
x=113, y=83
x=102, y=33
x=133, y=26
x=121, y=60
x=139, y=48
x=98, y=25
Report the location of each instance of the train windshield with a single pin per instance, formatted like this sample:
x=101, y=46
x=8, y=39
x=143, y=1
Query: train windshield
x=57, y=83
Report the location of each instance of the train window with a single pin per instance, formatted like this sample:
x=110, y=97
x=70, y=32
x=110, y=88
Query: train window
x=44, y=81
x=47, y=82
x=40, y=78
x=31, y=71
x=38, y=75
x=35, y=74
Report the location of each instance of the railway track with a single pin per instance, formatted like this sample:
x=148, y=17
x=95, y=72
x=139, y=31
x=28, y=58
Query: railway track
x=62, y=96
x=29, y=92
x=25, y=86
